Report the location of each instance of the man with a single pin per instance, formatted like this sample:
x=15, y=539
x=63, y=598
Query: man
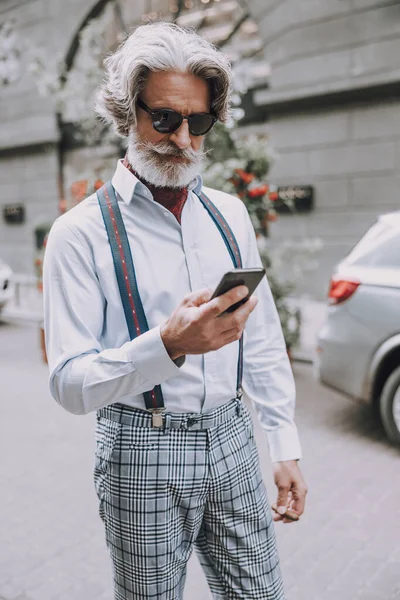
x=182, y=472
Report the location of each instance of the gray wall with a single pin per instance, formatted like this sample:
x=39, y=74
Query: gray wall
x=28, y=128
x=316, y=46
x=28, y=177
x=348, y=150
x=352, y=157
x=333, y=118
x=29, y=133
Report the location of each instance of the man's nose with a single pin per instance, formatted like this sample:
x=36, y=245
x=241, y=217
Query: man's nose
x=181, y=136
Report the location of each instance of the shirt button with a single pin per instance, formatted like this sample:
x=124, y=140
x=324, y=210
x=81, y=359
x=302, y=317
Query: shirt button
x=166, y=213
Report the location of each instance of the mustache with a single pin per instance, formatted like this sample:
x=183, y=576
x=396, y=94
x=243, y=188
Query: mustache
x=165, y=149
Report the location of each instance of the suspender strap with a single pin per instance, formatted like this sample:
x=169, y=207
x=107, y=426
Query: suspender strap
x=126, y=278
x=234, y=251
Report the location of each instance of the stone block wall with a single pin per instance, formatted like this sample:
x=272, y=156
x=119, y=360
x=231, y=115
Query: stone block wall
x=28, y=177
x=348, y=150
x=28, y=126
x=334, y=116
x=352, y=158
x=320, y=46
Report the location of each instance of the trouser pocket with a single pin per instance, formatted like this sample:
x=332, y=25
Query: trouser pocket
x=107, y=433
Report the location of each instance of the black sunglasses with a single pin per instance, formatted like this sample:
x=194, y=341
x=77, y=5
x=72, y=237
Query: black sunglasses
x=166, y=120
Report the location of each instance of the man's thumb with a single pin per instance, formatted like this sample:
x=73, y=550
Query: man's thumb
x=282, y=500
x=200, y=297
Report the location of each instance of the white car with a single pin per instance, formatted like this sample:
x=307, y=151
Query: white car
x=6, y=284
x=359, y=344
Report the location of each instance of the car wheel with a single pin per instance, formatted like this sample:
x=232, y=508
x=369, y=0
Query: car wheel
x=390, y=406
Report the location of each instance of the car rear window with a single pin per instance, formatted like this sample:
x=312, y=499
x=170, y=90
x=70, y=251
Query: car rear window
x=380, y=247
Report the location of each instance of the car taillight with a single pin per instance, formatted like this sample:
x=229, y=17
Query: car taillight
x=341, y=290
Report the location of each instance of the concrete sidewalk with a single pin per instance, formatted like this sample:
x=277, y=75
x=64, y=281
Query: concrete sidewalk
x=346, y=547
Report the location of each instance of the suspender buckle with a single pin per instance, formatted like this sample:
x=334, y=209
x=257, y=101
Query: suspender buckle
x=157, y=417
x=239, y=393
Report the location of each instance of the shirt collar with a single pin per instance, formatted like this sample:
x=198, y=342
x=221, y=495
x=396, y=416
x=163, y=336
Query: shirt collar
x=127, y=184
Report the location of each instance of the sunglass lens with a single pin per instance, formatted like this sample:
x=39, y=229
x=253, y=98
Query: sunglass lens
x=166, y=121
x=200, y=124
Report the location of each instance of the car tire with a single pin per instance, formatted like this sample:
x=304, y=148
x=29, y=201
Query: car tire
x=389, y=397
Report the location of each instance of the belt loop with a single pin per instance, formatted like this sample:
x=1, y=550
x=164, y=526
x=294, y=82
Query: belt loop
x=167, y=422
x=239, y=407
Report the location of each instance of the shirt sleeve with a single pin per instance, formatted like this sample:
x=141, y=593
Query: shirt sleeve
x=267, y=375
x=84, y=376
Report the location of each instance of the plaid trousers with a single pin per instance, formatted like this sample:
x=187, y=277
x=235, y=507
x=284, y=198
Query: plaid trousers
x=194, y=483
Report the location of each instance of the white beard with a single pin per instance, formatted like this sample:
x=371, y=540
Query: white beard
x=151, y=162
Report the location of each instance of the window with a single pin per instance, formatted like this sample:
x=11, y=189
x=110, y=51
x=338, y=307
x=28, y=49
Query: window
x=380, y=247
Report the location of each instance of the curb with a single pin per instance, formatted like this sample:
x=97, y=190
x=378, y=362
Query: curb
x=302, y=355
x=21, y=316
x=302, y=359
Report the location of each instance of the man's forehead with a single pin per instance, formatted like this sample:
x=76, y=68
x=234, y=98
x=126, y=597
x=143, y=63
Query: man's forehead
x=182, y=88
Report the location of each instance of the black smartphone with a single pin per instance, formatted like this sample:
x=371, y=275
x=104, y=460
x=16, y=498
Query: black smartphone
x=248, y=277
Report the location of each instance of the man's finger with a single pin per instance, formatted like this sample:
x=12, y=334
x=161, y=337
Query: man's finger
x=282, y=500
x=198, y=298
x=241, y=314
x=289, y=516
x=232, y=335
x=299, y=498
x=218, y=305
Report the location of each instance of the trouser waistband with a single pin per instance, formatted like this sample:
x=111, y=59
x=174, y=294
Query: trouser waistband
x=127, y=415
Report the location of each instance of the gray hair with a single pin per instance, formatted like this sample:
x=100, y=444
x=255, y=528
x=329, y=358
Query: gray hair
x=160, y=47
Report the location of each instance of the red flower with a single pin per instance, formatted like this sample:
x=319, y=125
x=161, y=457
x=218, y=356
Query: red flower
x=258, y=191
x=244, y=176
x=79, y=189
x=62, y=205
x=273, y=196
x=98, y=184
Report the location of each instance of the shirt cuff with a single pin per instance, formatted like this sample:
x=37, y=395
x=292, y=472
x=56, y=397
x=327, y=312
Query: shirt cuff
x=284, y=444
x=151, y=359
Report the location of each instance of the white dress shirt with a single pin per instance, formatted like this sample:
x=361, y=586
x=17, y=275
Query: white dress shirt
x=92, y=361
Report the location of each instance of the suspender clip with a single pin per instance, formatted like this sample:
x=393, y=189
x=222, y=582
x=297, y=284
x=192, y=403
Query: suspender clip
x=157, y=417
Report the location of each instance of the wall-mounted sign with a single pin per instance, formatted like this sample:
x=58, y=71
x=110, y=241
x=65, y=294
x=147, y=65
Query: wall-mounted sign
x=299, y=198
x=14, y=213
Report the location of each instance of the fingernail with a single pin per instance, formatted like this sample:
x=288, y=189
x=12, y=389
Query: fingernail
x=281, y=510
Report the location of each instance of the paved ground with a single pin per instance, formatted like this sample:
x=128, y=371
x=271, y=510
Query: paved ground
x=347, y=546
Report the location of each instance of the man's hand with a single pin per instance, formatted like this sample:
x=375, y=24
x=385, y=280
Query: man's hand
x=292, y=489
x=196, y=327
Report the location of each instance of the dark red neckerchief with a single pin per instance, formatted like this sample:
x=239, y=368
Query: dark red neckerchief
x=172, y=198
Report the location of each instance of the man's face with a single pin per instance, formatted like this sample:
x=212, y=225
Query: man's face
x=170, y=159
